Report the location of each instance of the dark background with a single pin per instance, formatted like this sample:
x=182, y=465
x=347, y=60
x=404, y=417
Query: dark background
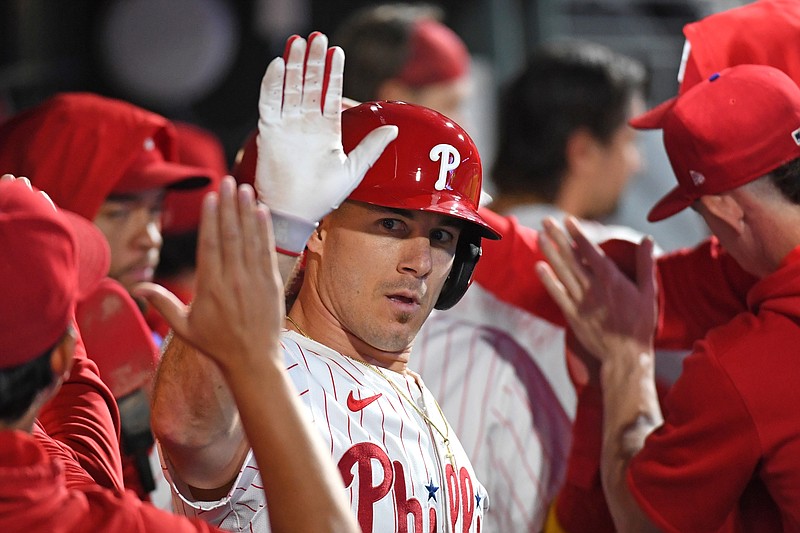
x=48, y=46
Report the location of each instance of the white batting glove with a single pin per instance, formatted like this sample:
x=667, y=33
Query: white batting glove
x=302, y=172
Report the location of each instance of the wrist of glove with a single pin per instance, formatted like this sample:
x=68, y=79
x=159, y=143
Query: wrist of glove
x=291, y=232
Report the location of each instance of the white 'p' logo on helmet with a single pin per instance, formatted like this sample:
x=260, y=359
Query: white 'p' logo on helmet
x=450, y=159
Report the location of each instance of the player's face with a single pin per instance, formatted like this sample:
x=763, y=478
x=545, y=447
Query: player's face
x=132, y=226
x=381, y=270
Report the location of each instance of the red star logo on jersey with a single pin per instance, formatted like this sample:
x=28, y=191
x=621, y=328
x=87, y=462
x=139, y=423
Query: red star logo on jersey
x=357, y=404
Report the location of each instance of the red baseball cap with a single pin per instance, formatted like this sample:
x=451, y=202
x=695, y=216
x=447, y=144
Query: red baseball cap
x=79, y=147
x=149, y=170
x=760, y=33
x=726, y=131
x=39, y=274
x=436, y=55
x=117, y=337
x=200, y=148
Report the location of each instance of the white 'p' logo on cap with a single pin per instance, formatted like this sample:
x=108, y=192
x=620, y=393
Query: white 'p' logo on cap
x=450, y=159
x=796, y=136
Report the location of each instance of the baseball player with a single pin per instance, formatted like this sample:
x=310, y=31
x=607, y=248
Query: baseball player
x=403, y=241
x=723, y=439
x=755, y=33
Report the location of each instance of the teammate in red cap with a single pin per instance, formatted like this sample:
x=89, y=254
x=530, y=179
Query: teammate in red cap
x=107, y=160
x=402, y=51
x=756, y=33
x=723, y=440
x=43, y=272
x=380, y=256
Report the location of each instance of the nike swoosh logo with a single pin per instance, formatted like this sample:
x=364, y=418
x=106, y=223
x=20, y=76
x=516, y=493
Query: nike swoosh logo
x=355, y=404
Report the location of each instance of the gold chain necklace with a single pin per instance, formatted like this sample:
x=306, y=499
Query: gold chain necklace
x=444, y=434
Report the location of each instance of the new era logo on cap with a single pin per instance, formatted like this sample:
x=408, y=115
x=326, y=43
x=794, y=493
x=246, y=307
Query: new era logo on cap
x=697, y=178
x=727, y=131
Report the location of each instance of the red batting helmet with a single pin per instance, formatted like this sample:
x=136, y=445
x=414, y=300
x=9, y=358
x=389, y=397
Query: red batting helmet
x=433, y=165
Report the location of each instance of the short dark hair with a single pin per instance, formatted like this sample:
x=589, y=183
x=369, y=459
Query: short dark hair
x=564, y=86
x=787, y=179
x=20, y=384
x=376, y=41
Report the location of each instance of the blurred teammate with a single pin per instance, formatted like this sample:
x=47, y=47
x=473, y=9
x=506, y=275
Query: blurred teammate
x=402, y=51
x=564, y=142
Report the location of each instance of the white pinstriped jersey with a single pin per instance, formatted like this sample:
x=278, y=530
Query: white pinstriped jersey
x=500, y=376
x=394, y=467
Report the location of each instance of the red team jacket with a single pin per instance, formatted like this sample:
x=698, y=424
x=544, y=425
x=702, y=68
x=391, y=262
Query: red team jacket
x=82, y=422
x=35, y=496
x=66, y=475
x=731, y=437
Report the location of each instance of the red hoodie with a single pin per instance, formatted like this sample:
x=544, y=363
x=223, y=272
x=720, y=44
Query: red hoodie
x=35, y=496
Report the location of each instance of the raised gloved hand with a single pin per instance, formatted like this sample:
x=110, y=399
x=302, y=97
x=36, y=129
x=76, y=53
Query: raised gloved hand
x=302, y=172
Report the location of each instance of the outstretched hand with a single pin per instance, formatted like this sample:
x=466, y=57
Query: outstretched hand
x=302, y=172
x=237, y=312
x=608, y=312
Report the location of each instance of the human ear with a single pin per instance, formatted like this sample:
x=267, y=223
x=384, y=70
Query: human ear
x=63, y=355
x=726, y=208
x=580, y=153
x=314, y=243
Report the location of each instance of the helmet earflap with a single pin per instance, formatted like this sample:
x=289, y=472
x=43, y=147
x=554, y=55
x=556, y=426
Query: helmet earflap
x=468, y=251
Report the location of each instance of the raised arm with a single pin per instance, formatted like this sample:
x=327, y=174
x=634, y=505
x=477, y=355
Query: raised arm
x=614, y=318
x=235, y=319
